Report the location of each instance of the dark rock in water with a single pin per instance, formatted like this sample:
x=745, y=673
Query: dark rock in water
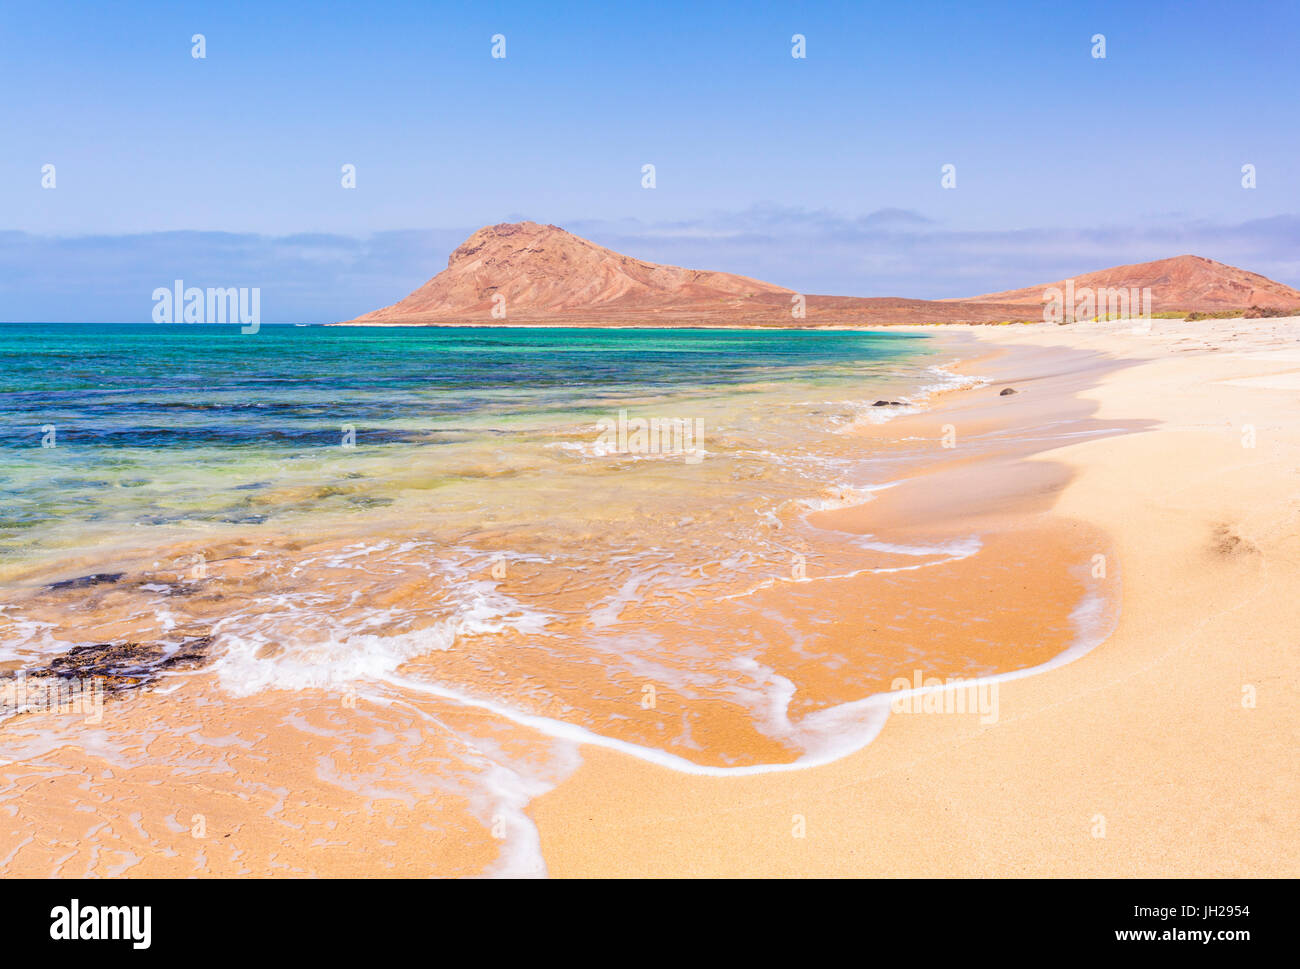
x=122, y=666
x=888, y=403
x=85, y=581
x=1006, y=391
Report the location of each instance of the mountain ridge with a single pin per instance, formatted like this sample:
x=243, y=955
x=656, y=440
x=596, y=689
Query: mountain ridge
x=526, y=272
x=1207, y=284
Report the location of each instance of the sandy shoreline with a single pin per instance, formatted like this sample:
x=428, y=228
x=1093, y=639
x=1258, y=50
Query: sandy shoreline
x=1167, y=750
x=1139, y=758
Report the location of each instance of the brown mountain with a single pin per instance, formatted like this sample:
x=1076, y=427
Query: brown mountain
x=1180, y=283
x=541, y=274
x=544, y=272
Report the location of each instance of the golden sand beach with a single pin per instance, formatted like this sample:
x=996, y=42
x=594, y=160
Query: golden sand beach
x=1168, y=750
x=1135, y=500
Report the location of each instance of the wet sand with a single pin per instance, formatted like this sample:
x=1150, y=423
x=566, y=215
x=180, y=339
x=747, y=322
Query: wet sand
x=1167, y=750
x=1155, y=507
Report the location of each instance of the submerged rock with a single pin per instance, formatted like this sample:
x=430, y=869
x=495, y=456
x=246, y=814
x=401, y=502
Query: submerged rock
x=122, y=666
x=1006, y=391
x=888, y=403
x=85, y=581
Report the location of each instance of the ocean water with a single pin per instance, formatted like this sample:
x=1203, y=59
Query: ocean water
x=528, y=539
x=176, y=428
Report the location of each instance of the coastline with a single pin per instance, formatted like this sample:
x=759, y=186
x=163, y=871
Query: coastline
x=1041, y=477
x=647, y=325
x=255, y=709
x=1106, y=765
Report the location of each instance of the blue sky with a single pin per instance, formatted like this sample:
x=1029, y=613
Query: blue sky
x=822, y=174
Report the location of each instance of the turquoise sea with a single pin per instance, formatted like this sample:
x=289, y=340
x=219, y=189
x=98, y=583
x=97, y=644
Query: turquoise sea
x=185, y=426
x=413, y=565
